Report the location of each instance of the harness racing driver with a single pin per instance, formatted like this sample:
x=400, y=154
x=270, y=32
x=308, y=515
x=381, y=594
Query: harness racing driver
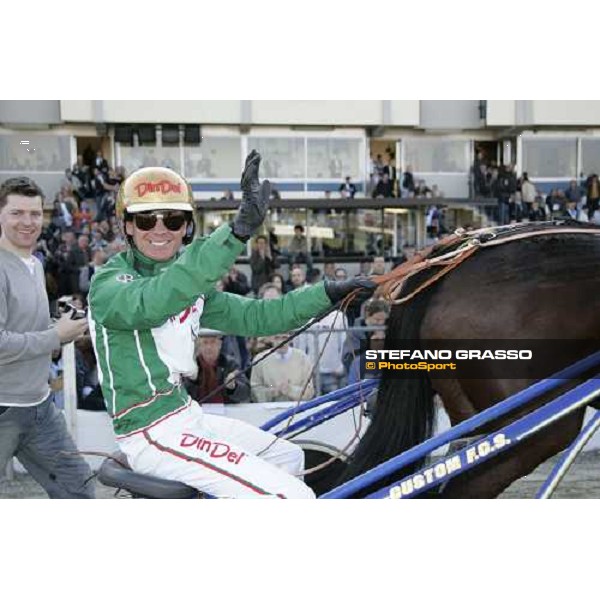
x=146, y=307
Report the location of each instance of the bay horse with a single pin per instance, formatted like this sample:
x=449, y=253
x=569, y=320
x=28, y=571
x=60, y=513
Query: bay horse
x=541, y=283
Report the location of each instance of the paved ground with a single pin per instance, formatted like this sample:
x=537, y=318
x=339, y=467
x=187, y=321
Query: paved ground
x=583, y=481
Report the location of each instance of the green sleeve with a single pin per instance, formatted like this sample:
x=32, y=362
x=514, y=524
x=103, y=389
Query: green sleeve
x=122, y=299
x=238, y=315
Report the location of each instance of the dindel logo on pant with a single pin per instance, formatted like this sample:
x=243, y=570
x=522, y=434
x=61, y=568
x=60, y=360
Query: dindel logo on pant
x=213, y=449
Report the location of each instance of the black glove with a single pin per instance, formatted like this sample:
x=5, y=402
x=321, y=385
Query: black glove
x=255, y=200
x=338, y=290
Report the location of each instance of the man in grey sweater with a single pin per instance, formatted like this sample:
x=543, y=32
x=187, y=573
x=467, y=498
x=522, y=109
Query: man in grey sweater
x=31, y=427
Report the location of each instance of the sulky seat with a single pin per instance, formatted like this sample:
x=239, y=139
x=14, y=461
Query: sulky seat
x=115, y=472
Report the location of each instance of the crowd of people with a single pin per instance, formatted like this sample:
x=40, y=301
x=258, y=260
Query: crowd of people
x=385, y=183
x=518, y=198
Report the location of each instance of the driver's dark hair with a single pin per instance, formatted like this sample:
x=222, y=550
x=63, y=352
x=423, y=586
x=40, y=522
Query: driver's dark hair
x=19, y=186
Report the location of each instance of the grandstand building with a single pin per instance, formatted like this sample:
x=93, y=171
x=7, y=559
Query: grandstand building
x=309, y=148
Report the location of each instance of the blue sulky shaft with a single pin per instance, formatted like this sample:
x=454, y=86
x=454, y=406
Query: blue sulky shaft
x=491, y=445
x=511, y=403
x=356, y=389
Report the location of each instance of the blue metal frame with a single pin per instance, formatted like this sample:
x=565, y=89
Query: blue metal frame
x=420, y=451
x=345, y=398
x=489, y=446
x=568, y=456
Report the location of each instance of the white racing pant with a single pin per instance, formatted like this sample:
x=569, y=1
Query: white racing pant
x=218, y=456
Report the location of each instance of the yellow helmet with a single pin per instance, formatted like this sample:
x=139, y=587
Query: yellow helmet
x=152, y=188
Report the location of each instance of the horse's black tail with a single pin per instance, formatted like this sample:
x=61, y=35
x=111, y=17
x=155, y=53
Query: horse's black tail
x=404, y=411
x=403, y=417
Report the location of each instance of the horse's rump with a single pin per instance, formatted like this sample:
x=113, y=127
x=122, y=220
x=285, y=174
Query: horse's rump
x=537, y=288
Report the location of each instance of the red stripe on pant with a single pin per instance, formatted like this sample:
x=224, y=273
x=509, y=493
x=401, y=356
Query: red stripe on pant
x=199, y=461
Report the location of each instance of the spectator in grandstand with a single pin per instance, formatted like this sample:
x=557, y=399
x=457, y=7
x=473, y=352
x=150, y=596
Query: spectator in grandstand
x=227, y=195
x=341, y=274
x=104, y=186
x=422, y=190
x=278, y=280
x=70, y=260
x=572, y=211
x=31, y=427
x=376, y=314
x=62, y=213
x=377, y=166
x=527, y=195
x=436, y=192
x=478, y=174
x=389, y=169
x=81, y=177
x=269, y=291
x=101, y=163
x=298, y=248
x=505, y=186
x=552, y=203
x=98, y=242
x=408, y=183
x=537, y=211
x=365, y=266
x=82, y=216
x=574, y=192
x=347, y=189
x=324, y=345
x=377, y=266
x=384, y=188
x=592, y=192
x=283, y=375
x=89, y=392
x=432, y=222
x=515, y=208
x=376, y=342
x=216, y=368
x=297, y=278
x=107, y=231
x=329, y=271
x=83, y=242
x=235, y=282
x=313, y=276
x=262, y=264
x=56, y=378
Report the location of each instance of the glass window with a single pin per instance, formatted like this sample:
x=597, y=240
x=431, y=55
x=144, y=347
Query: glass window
x=214, y=158
x=550, y=157
x=436, y=155
x=334, y=158
x=590, y=156
x=211, y=220
x=133, y=158
x=327, y=230
x=282, y=158
x=41, y=153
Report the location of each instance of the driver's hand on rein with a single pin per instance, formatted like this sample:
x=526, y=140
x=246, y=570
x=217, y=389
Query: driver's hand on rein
x=338, y=290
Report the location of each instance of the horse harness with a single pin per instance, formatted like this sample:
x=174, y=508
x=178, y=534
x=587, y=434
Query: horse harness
x=461, y=245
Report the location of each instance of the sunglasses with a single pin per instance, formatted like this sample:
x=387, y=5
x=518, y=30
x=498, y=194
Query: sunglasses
x=173, y=220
